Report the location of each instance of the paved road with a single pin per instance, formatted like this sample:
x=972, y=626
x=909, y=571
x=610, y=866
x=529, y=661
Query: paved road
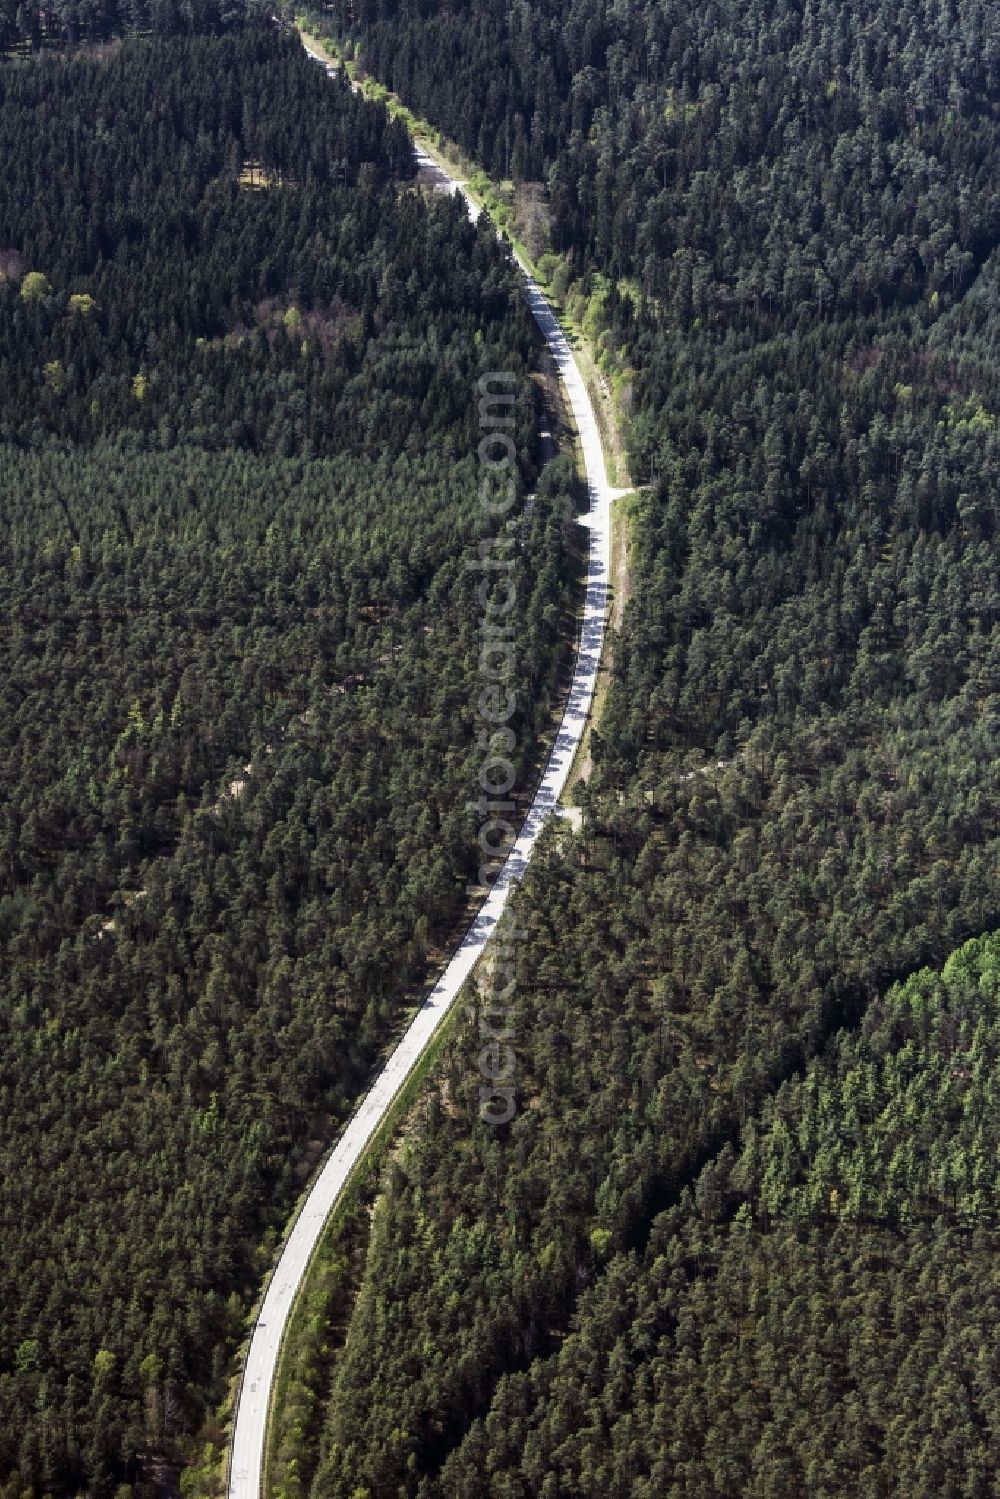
x=251, y=1414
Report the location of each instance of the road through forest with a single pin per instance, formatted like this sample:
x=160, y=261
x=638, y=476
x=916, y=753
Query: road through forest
x=250, y=1420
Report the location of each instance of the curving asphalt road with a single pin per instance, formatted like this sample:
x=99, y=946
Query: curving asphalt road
x=250, y=1423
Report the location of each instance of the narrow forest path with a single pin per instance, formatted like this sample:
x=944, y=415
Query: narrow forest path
x=254, y=1396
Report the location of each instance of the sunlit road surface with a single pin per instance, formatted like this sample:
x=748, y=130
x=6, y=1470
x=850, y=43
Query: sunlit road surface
x=250, y=1423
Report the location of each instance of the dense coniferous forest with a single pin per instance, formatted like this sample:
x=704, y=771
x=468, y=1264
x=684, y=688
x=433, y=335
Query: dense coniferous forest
x=668, y=1275
x=817, y=1314
x=238, y=677
x=740, y=1237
